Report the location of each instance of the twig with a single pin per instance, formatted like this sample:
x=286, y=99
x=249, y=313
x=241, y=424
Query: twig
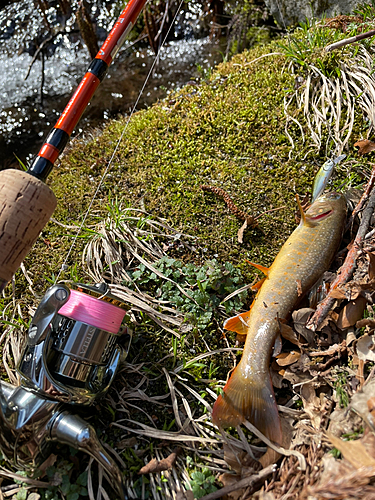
x=42, y=78
x=249, y=481
x=347, y=268
x=232, y=207
x=347, y=41
x=364, y=197
x=33, y=482
x=39, y=49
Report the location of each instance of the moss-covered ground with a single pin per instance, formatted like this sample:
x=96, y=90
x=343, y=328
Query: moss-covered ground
x=227, y=132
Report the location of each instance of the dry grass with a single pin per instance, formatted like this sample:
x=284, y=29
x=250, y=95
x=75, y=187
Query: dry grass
x=329, y=103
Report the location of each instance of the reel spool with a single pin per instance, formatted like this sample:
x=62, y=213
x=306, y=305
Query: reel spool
x=75, y=343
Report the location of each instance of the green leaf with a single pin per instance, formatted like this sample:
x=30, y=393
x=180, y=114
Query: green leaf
x=21, y=494
x=72, y=496
x=82, y=479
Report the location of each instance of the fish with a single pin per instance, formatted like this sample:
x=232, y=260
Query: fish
x=307, y=253
x=323, y=176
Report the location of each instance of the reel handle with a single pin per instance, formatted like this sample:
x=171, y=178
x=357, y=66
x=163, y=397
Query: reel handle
x=26, y=204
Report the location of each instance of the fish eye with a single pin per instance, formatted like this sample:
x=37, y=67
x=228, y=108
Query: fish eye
x=332, y=196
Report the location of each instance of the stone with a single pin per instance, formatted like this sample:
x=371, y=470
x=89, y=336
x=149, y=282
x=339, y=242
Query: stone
x=288, y=13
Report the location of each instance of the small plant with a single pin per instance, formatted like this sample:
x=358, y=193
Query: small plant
x=69, y=489
x=205, y=286
x=202, y=483
x=340, y=386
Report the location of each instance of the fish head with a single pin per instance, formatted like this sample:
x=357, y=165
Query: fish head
x=325, y=206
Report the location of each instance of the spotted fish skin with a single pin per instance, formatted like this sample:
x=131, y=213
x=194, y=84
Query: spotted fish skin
x=301, y=261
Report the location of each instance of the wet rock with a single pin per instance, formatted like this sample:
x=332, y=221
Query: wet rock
x=288, y=13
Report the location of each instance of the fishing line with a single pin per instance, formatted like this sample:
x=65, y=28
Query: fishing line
x=64, y=265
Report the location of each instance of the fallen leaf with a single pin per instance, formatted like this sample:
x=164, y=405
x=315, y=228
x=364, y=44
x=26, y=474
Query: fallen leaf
x=350, y=335
x=337, y=293
x=366, y=348
x=230, y=480
x=365, y=146
x=300, y=318
x=232, y=457
x=162, y=465
x=127, y=443
x=185, y=495
x=361, y=403
x=312, y=405
x=287, y=358
x=295, y=378
x=353, y=451
x=351, y=313
x=289, y=334
x=371, y=264
x=241, y=231
x=239, y=460
x=277, y=375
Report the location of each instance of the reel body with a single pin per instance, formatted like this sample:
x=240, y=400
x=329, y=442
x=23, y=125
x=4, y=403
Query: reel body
x=71, y=356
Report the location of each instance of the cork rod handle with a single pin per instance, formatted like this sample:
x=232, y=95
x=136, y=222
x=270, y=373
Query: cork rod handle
x=26, y=204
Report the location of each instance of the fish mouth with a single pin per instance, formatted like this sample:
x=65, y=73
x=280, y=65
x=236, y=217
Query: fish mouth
x=321, y=216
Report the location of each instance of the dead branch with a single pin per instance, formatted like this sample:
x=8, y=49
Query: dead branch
x=249, y=481
x=347, y=268
x=232, y=207
x=364, y=197
x=347, y=41
x=86, y=28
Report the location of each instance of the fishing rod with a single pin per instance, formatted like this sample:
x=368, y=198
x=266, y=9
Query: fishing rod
x=26, y=202
x=76, y=340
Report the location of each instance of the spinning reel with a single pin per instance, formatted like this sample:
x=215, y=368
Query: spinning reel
x=71, y=356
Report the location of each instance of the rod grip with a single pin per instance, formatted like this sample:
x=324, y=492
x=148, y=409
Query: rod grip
x=26, y=204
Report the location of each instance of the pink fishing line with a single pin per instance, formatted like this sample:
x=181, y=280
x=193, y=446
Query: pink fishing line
x=92, y=311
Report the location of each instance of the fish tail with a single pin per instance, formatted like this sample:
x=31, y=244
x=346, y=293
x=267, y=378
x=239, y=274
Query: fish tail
x=252, y=400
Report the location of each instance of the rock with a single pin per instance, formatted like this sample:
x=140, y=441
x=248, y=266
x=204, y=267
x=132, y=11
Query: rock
x=288, y=13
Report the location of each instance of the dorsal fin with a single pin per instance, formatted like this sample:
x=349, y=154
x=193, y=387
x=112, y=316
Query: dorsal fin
x=305, y=219
x=265, y=270
x=238, y=324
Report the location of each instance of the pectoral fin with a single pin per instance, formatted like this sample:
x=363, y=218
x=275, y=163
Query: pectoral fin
x=238, y=324
x=258, y=284
x=265, y=270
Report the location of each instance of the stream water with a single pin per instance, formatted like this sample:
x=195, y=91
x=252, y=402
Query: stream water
x=30, y=107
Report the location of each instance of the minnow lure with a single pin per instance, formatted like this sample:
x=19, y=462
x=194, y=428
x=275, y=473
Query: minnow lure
x=308, y=252
x=323, y=176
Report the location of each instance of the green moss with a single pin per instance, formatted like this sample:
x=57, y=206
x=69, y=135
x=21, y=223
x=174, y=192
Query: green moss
x=227, y=131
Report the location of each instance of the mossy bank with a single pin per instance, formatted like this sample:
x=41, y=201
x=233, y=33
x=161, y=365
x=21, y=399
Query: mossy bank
x=227, y=131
